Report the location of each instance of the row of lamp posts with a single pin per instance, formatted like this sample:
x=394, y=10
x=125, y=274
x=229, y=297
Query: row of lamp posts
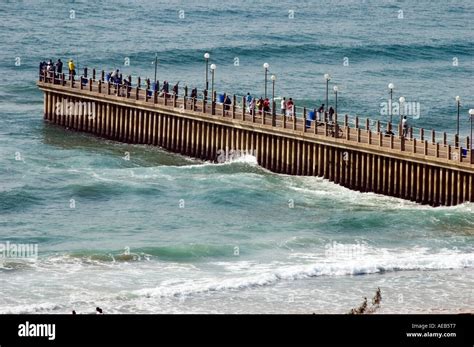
x=327, y=78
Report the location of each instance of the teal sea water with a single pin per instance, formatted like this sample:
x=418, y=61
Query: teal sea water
x=162, y=233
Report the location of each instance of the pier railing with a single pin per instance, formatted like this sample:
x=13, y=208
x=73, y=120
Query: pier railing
x=354, y=130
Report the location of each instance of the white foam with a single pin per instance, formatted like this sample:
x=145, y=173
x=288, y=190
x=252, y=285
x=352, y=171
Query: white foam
x=248, y=275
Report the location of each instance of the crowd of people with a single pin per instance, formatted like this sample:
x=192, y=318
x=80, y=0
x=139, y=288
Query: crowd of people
x=55, y=69
x=263, y=105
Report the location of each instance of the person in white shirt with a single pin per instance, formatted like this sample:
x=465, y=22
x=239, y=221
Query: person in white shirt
x=283, y=106
x=405, y=126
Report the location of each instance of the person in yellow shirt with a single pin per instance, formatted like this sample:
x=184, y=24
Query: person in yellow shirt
x=72, y=67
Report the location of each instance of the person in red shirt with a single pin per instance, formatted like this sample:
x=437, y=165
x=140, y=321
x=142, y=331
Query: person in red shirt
x=290, y=108
x=266, y=106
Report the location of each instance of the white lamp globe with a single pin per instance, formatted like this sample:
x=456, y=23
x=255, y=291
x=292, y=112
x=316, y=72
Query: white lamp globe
x=402, y=99
x=266, y=66
x=213, y=66
x=391, y=86
x=207, y=55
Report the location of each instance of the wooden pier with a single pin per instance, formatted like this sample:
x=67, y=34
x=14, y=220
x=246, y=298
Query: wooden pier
x=355, y=153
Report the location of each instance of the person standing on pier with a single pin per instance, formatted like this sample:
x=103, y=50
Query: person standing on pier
x=266, y=105
x=290, y=107
x=72, y=69
x=331, y=113
x=59, y=66
x=260, y=105
x=227, y=102
x=248, y=102
x=321, y=112
x=175, y=89
x=248, y=99
x=128, y=84
x=166, y=88
x=49, y=66
x=405, y=126
x=41, y=67
x=283, y=106
x=194, y=93
x=114, y=76
x=252, y=106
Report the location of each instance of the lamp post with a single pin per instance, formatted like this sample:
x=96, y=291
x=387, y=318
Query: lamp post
x=206, y=57
x=391, y=86
x=273, y=78
x=213, y=69
x=471, y=114
x=458, y=104
x=156, y=65
x=400, y=111
x=327, y=77
x=336, y=89
x=266, y=66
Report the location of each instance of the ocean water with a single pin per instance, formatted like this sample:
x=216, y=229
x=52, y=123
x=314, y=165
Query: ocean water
x=163, y=233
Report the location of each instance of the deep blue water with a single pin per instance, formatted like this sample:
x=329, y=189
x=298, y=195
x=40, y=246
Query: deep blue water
x=228, y=237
